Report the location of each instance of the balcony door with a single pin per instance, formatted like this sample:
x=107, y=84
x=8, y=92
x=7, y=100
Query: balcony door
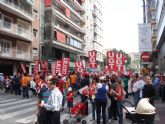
x=7, y=23
x=5, y=48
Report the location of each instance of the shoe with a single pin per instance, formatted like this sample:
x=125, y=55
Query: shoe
x=92, y=120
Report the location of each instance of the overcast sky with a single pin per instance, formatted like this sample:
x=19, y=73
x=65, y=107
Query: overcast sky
x=121, y=18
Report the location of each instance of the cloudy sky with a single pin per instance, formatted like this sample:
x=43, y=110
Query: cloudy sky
x=121, y=18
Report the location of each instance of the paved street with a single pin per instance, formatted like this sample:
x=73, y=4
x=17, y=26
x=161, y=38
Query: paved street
x=15, y=110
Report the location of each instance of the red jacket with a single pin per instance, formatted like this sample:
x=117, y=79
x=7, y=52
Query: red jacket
x=70, y=96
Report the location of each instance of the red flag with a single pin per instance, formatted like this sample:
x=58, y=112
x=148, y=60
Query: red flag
x=65, y=66
x=23, y=68
x=92, y=59
x=36, y=68
x=48, y=3
x=79, y=66
x=58, y=66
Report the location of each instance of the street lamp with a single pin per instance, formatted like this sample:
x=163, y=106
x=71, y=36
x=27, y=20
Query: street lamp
x=144, y=11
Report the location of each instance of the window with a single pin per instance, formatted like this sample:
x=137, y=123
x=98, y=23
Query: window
x=1, y=15
x=5, y=46
x=34, y=51
x=35, y=13
x=34, y=32
x=7, y=22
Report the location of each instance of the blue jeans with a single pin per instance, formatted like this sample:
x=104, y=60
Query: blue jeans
x=93, y=108
x=137, y=97
x=120, y=111
x=25, y=91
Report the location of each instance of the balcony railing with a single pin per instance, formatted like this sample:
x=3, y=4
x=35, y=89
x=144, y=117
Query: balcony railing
x=70, y=20
x=5, y=52
x=14, y=53
x=71, y=32
x=15, y=7
x=16, y=30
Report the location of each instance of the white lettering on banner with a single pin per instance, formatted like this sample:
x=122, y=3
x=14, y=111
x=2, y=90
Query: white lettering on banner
x=111, y=60
x=65, y=65
x=92, y=65
x=92, y=60
x=58, y=67
x=119, y=55
x=111, y=54
x=79, y=67
x=92, y=53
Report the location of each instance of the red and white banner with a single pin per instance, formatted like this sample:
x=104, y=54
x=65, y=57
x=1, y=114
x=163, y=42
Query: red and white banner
x=58, y=66
x=36, y=68
x=79, y=67
x=23, y=68
x=119, y=62
x=115, y=61
x=65, y=66
x=45, y=66
x=111, y=60
x=92, y=59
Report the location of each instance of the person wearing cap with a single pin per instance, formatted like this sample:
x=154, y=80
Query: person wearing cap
x=70, y=97
x=101, y=99
x=54, y=101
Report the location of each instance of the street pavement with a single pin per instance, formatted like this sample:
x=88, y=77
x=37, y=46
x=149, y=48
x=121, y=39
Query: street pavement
x=16, y=110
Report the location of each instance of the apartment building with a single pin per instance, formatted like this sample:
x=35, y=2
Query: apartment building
x=94, y=29
x=16, y=35
x=160, y=44
x=156, y=16
x=62, y=26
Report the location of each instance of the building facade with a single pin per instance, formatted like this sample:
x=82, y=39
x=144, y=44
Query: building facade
x=16, y=35
x=94, y=29
x=62, y=28
x=156, y=16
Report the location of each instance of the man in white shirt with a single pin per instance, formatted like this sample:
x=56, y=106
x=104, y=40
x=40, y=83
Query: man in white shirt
x=54, y=103
x=137, y=89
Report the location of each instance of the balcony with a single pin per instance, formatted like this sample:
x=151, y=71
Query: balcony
x=14, y=54
x=61, y=15
x=68, y=4
x=13, y=8
x=14, y=30
x=68, y=32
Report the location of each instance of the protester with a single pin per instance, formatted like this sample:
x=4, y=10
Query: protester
x=70, y=96
x=92, y=93
x=54, y=103
x=73, y=81
x=16, y=81
x=25, y=81
x=101, y=100
x=119, y=93
x=149, y=91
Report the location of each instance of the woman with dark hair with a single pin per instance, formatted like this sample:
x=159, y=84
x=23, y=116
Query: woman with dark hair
x=119, y=94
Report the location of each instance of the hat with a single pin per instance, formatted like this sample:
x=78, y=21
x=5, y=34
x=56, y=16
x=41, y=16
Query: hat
x=102, y=78
x=69, y=89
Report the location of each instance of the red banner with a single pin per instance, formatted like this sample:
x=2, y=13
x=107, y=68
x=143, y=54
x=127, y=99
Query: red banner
x=36, y=68
x=45, y=66
x=115, y=61
x=23, y=68
x=48, y=3
x=92, y=59
x=119, y=62
x=65, y=66
x=58, y=66
x=79, y=66
x=111, y=60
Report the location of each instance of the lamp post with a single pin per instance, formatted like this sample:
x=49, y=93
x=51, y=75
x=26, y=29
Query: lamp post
x=144, y=11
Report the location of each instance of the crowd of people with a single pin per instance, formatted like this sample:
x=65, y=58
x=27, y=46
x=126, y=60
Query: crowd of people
x=53, y=91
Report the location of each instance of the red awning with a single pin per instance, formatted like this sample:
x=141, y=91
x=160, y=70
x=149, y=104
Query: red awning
x=48, y=3
x=60, y=37
x=67, y=12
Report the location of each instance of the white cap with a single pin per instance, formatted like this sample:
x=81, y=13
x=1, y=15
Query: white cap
x=69, y=89
x=59, y=74
x=102, y=78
